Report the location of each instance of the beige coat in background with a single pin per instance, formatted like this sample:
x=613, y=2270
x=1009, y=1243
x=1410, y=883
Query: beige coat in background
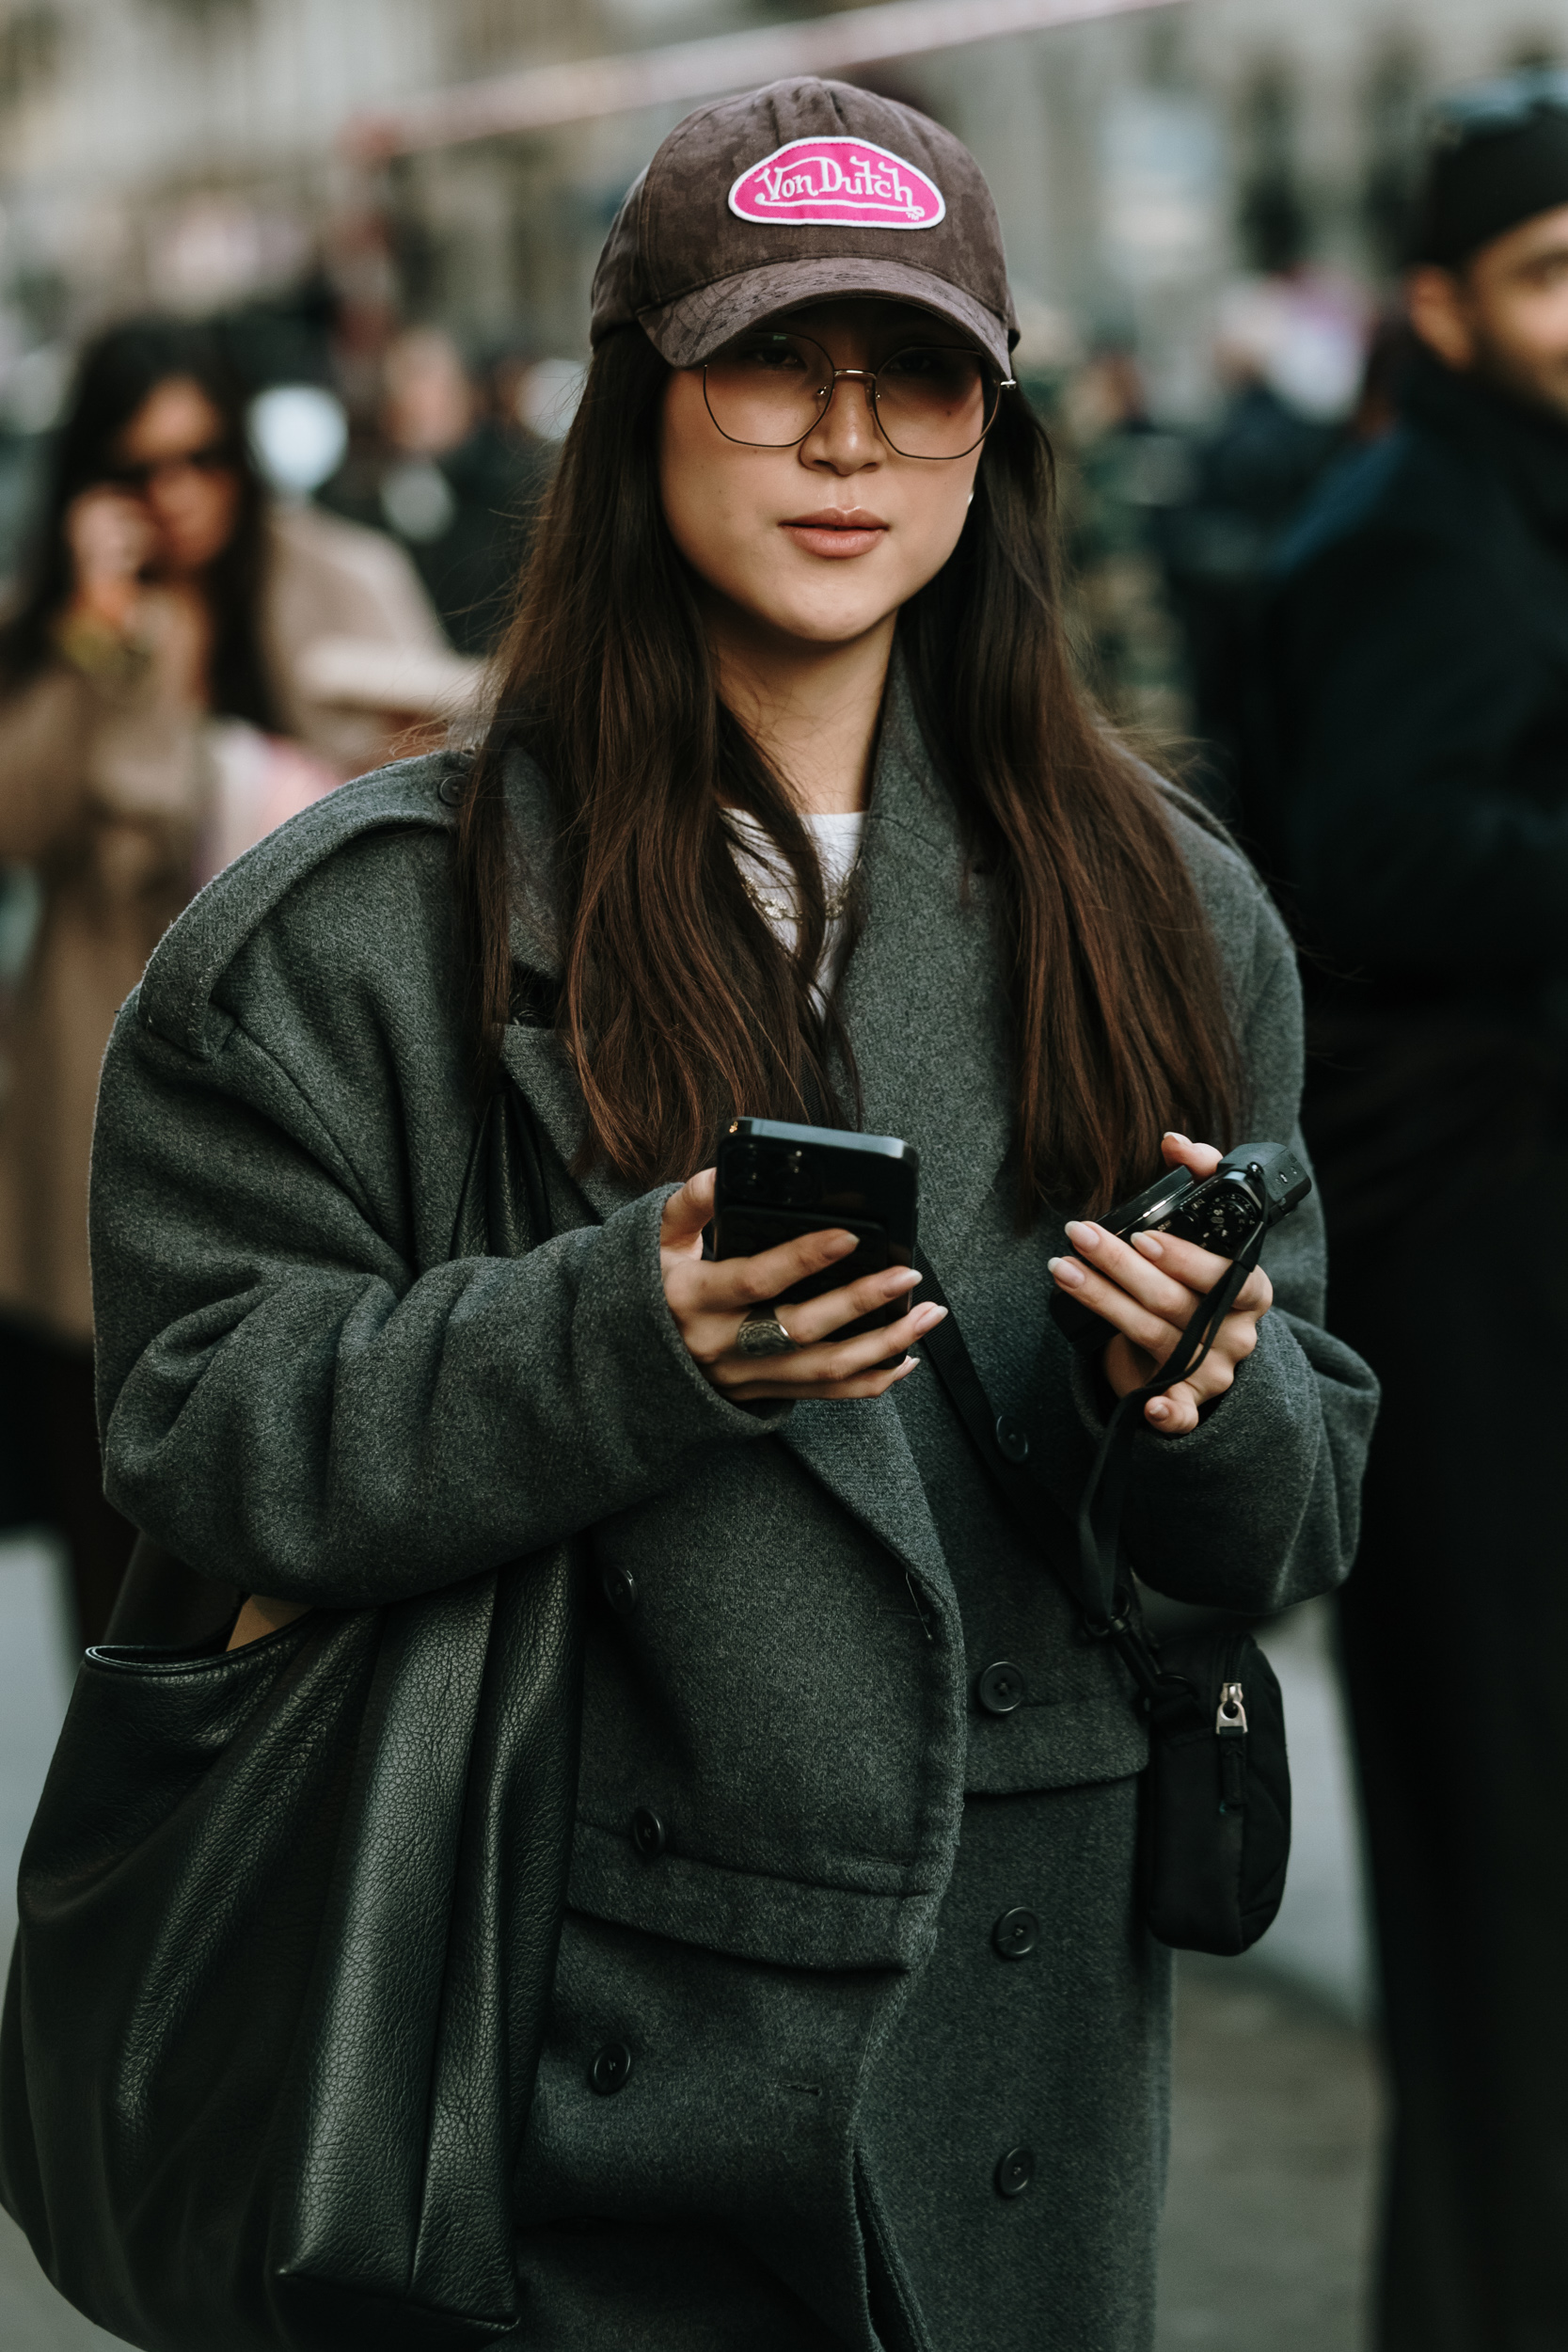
x=105, y=790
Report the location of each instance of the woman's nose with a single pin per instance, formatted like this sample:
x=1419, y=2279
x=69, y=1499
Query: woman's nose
x=845, y=438
x=167, y=501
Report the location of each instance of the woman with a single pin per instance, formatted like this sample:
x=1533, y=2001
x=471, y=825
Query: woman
x=857, y=2035
x=162, y=650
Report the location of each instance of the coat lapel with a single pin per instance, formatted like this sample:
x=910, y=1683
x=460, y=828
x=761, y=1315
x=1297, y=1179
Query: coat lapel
x=534, y=1055
x=924, y=1011
x=923, y=997
x=858, y=1452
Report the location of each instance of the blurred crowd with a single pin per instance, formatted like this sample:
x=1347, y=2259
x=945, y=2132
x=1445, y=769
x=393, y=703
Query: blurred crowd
x=1357, y=582
x=1169, y=534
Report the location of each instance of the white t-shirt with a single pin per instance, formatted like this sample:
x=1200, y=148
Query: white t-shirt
x=837, y=841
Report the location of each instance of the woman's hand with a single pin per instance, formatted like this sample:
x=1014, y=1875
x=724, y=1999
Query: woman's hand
x=1149, y=1291
x=110, y=537
x=710, y=1299
x=260, y=1616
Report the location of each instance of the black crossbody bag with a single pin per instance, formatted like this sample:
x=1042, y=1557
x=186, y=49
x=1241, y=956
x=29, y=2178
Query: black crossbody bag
x=1214, y=1828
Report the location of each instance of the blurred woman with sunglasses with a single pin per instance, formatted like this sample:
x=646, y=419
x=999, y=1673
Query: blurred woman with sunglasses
x=171, y=600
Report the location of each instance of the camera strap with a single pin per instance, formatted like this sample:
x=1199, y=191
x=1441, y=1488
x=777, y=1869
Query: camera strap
x=1087, y=1559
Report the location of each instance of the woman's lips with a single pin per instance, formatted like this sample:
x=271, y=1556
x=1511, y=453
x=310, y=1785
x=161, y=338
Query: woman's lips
x=836, y=531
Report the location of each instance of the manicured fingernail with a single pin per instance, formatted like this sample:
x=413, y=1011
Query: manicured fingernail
x=1147, y=1243
x=1067, y=1270
x=1173, y=1136
x=1159, y=1410
x=928, y=1317
x=1082, y=1237
x=840, y=1245
x=904, y=1280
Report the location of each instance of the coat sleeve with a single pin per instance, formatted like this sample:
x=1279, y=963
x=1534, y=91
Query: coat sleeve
x=1414, y=828
x=80, y=751
x=291, y=1402
x=1260, y=1505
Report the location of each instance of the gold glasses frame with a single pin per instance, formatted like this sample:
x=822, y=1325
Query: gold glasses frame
x=868, y=377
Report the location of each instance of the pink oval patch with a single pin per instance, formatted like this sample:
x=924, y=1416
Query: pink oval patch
x=846, y=184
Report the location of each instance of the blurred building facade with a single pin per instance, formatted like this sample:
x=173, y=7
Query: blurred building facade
x=190, y=152
x=1214, y=188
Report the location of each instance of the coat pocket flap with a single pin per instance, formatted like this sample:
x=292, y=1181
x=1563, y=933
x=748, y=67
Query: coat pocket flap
x=749, y=1914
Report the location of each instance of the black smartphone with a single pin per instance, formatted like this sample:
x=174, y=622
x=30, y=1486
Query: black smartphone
x=777, y=1182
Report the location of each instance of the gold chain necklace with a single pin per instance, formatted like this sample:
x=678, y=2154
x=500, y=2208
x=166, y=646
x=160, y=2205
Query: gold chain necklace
x=782, y=910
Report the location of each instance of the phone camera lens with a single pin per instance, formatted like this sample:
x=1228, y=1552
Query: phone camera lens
x=744, y=1168
x=797, y=1180
x=783, y=1174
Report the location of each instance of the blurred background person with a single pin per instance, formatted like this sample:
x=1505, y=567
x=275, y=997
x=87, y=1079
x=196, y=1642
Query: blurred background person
x=1287, y=356
x=453, y=477
x=161, y=705
x=1119, y=478
x=1419, y=812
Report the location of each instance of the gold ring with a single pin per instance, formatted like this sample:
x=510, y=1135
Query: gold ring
x=760, y=1333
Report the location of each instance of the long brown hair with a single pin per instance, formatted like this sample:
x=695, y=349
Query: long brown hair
x=678, y=1005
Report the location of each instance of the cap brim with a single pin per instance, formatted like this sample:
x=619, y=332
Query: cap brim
x=695, y=326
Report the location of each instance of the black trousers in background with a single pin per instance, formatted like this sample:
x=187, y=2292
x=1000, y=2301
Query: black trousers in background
x=1455, y=1640
x=54, y=1470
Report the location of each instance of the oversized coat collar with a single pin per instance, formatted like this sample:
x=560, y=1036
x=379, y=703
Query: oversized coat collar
x=928, y=1020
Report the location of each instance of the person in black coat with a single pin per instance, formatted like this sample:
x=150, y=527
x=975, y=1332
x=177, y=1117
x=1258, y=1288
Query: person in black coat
x=1417, y=811
x=458, y=488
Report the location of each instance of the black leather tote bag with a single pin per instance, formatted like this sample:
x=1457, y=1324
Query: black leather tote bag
x=289, y=1921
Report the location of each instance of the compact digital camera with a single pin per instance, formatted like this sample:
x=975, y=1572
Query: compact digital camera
x=1256, y=1183
x=777, y=1180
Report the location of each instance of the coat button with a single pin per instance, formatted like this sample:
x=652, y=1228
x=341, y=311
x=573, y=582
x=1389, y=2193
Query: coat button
x=450, y=792
x=1016, y=1934
x=1013, y=1438
x=619, y=1587
x=647, y=1832
x=1000, y=1689
x=611, y=2070
x=1015, y=2171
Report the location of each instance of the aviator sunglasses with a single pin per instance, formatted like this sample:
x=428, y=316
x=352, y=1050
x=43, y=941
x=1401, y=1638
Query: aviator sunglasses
x=771, y=390
x=213, y=458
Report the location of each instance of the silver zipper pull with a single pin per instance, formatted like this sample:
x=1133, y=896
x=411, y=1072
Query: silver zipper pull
x=1233, y=1714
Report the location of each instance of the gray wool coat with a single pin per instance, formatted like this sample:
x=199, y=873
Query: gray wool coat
x=300, y=1392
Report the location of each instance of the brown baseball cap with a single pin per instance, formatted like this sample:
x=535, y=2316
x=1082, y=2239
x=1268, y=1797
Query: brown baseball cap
x=799, y=192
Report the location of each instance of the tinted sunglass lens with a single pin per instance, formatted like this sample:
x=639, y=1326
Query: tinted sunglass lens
x=935, y=401
x=768, y=390
x=213, y=458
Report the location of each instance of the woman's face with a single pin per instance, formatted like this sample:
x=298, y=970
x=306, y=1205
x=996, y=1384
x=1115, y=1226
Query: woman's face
x=174, y=460
x=821, y=542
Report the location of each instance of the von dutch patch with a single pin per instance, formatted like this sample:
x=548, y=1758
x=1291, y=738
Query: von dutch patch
x=838, y=183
